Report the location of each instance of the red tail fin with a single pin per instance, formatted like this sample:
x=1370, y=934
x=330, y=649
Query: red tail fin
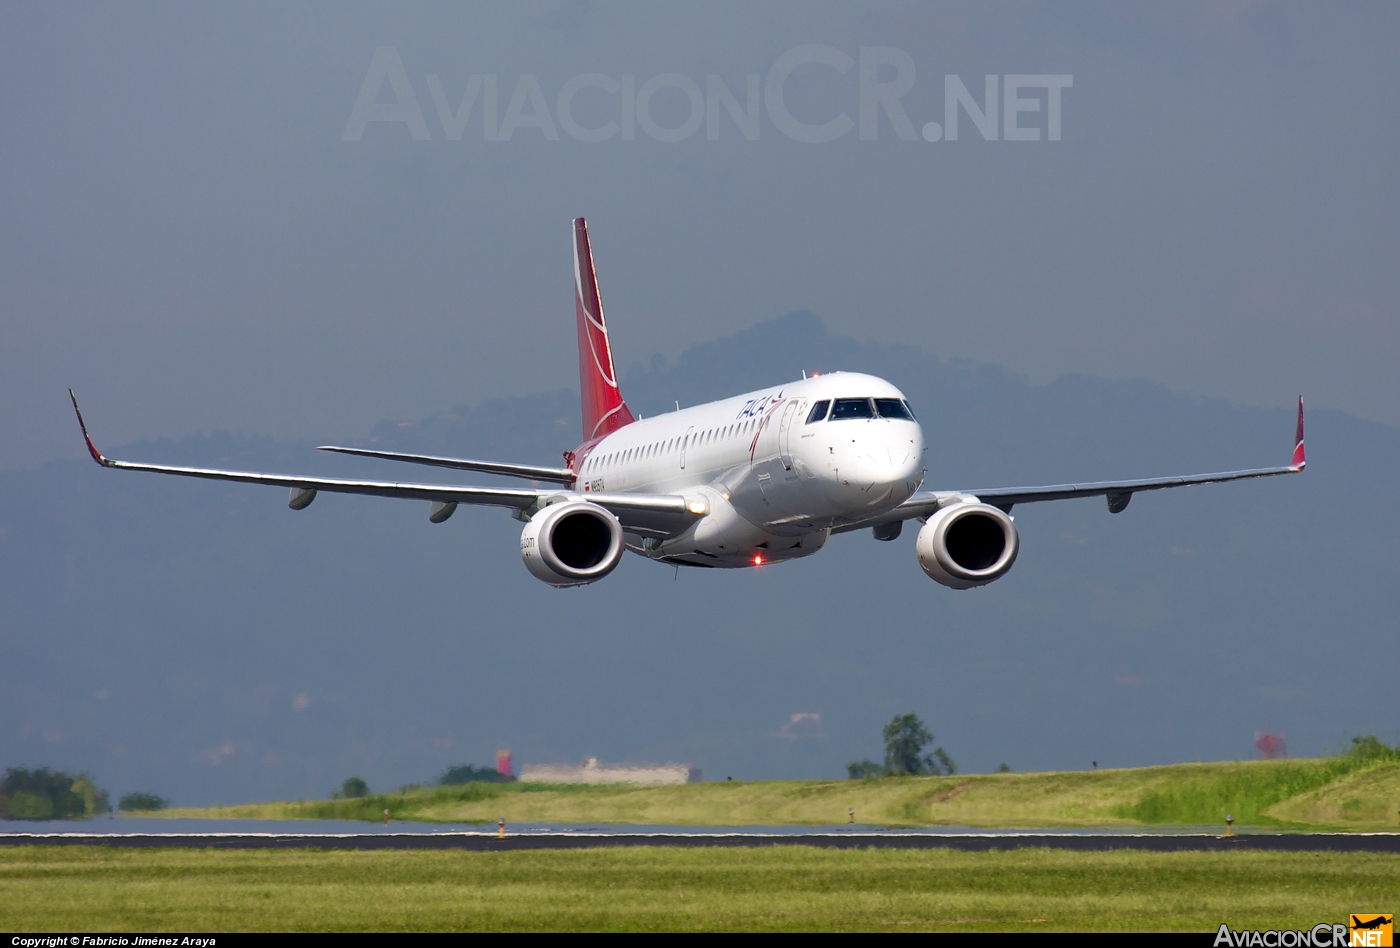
x=604, y=411
x=1300, y=457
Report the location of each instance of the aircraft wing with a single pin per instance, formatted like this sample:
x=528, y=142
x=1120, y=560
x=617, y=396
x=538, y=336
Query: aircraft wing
x=534, y=472
x=658, y=515
x=1118, y=493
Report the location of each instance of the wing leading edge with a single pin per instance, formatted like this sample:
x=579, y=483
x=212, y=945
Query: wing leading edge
x=659, y=515
x=1118, y=493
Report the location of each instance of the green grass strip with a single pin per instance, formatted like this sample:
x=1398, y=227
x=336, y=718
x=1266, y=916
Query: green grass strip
x=85, y=889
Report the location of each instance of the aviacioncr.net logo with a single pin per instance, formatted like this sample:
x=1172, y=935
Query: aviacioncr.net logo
x=1369, y=929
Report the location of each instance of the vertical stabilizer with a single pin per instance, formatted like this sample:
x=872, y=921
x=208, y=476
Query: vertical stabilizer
x=1300, y=456
x=604, y=411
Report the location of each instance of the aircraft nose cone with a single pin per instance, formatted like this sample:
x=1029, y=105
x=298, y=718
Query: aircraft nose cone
x=886, y=468
x=890, y=469
x=871, y=470
x=899, y=457
x=872, y=459
x=889, y=463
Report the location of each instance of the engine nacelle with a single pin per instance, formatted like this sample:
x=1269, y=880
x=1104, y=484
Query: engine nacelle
x=571, y=543
x=967, y=545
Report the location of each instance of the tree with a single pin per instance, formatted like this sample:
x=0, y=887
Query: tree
x=1370, y=747
x=865, y=770
x=138, y=802
x=353, y=788
x=946, y=765
x=46, y=794
x=905, y=740
x=470, y=773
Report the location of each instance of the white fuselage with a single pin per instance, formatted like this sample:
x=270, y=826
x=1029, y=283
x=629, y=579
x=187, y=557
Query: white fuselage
x=776, y=481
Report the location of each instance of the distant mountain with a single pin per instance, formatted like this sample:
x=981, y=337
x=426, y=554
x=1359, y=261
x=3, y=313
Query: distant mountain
x=204, y=642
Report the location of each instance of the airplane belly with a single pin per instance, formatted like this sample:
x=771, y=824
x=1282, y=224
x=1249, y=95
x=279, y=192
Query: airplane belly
x=727, y=539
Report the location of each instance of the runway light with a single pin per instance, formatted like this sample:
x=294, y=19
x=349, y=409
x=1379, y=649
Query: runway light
x=758, y=559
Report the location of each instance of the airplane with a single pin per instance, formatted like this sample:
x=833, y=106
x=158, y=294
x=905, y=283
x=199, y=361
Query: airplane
x=1375, y=922
x=743, y=482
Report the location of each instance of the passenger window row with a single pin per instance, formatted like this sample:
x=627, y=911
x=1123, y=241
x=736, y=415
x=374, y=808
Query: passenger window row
x=709, y=436
x=824, y=410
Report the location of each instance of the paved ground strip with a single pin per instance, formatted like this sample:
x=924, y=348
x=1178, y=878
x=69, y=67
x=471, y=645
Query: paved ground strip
x=480, y=841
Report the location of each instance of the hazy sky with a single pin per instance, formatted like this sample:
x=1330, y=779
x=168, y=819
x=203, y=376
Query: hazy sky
x=194, y=234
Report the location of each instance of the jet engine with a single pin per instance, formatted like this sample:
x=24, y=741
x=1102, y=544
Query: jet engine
x=967, y=545
x=571, y=543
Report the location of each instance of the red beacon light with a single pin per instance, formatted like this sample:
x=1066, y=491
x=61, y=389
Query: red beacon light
x=758, y=559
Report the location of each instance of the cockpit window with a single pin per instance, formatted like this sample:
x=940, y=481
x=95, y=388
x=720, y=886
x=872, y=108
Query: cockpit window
x=909, y=408
x=851, y=408
x=819, y=410
x=892, y=408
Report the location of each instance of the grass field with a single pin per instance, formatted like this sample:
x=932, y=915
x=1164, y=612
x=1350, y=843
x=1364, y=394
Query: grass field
x=1349, y=792
x=81, y=889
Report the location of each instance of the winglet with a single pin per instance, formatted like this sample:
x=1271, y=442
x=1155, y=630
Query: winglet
x=1300, y=459
x=92, y=448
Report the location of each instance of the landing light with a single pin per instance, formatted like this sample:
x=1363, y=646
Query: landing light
x=697, y=507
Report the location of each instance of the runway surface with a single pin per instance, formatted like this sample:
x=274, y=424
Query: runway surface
x=481, y=840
